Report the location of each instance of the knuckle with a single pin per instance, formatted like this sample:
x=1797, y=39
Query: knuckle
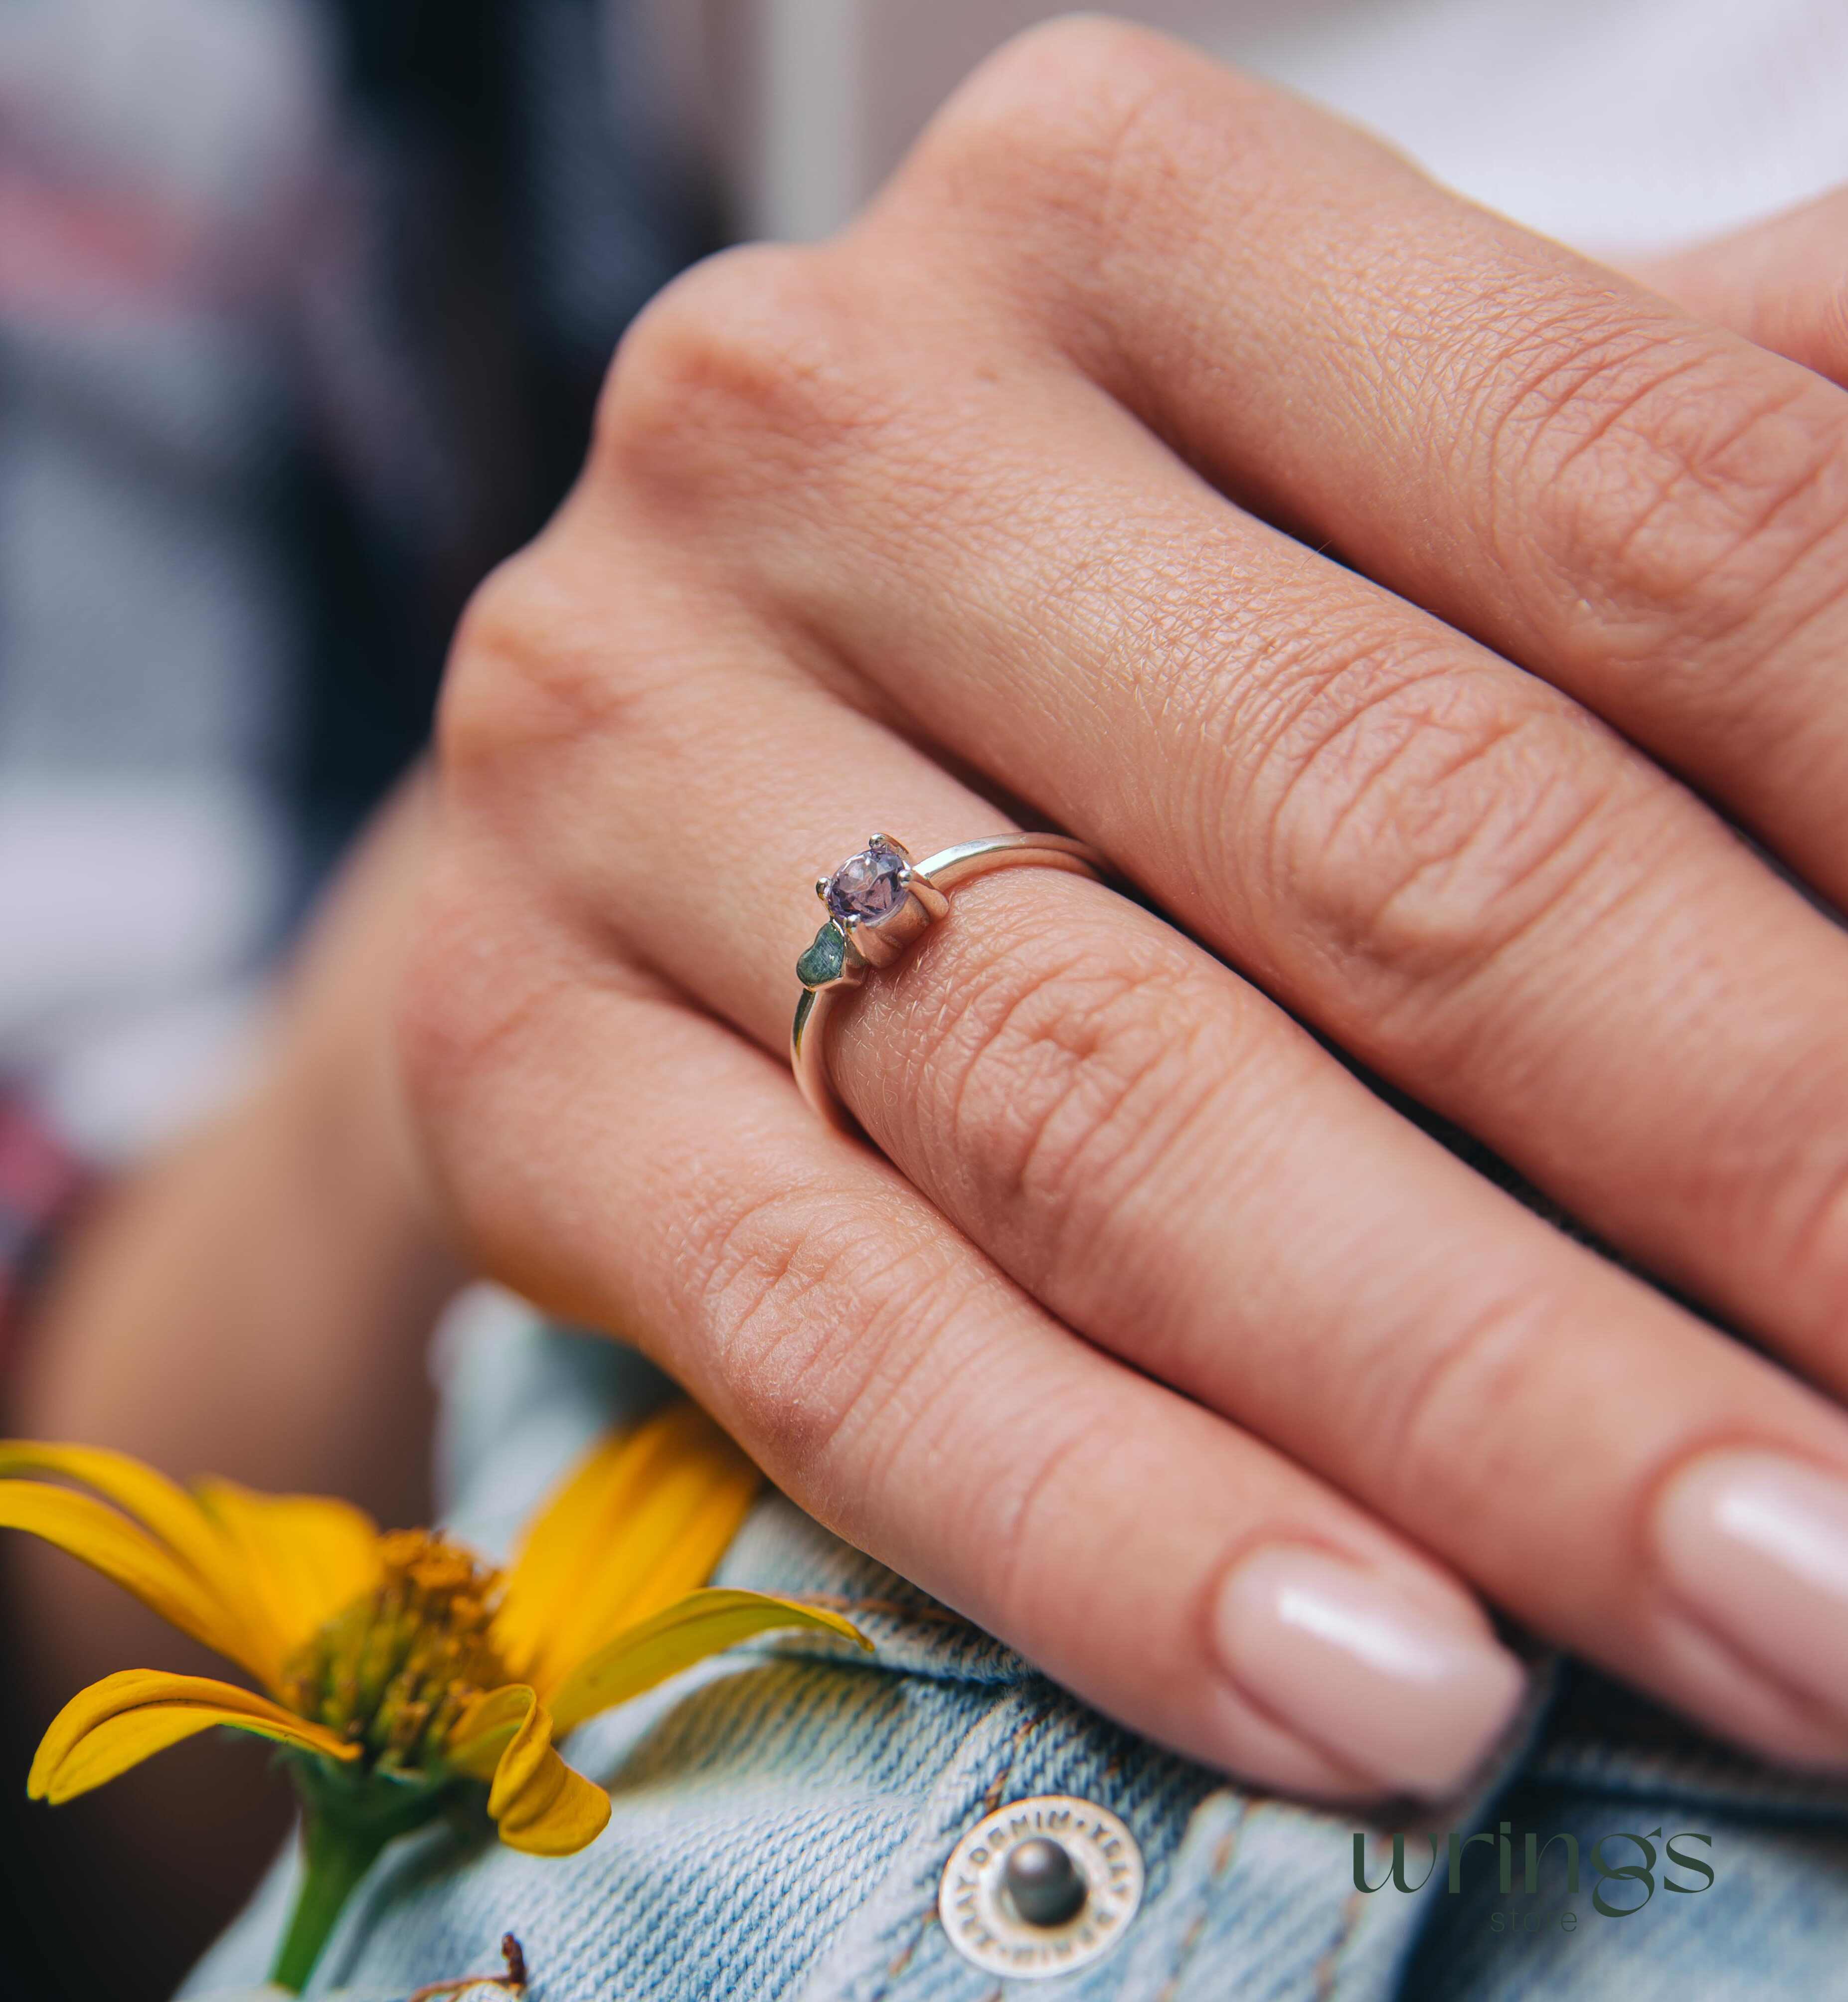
x=1058, y=124
x=1026, y=1507
x=1058, y=1070
x=1794, y=1219
x=1677, y=485
x=547, y=668
x=728, y=383
x=818, y=1314
x=763, y=341
x=1427, y=814
x=1440, y=1413
x=506, y=684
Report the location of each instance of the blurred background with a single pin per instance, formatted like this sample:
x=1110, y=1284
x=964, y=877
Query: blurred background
x=303, y=305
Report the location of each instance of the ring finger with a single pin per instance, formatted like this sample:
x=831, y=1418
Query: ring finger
x=1444, y=862
x=1167, y=1161
x=895, y=1384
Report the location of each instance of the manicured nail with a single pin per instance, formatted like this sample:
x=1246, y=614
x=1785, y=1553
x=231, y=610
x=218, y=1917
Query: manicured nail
x=1757, y=1546
x=1388, y=1686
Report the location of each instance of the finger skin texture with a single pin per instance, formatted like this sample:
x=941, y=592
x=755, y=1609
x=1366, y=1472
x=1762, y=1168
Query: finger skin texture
x=1782, y=282
x=660, y=1177
x=1464, y=879
x=816, y=583
x=1648, y=511
x=1144, y=1143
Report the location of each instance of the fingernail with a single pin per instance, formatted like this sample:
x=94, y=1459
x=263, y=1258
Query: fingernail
x=1390, y=1687
x=1757, y=1546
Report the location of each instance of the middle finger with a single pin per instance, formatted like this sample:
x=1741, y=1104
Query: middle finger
x=1167, y=1161
x=1470, y=883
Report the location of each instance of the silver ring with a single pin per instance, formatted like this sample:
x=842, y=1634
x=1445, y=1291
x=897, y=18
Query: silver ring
x=879, y=902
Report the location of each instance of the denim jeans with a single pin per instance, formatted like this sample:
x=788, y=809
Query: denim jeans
x=782, y=1816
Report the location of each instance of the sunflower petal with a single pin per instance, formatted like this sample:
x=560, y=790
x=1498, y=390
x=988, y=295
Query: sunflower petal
x=641, y=1521
x=305, y=1557
x=539, y=1804
x=583, y=1513
x=702, y=1624
x=106, y=1540
x=161, y=1506
x=116, y=1723
x=171, y=1516
x=669, y=1547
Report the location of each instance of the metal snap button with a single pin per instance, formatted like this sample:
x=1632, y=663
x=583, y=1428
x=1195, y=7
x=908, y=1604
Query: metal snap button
x=1041, y=1887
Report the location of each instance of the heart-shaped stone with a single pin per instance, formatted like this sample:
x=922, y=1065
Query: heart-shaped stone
x=824, y=959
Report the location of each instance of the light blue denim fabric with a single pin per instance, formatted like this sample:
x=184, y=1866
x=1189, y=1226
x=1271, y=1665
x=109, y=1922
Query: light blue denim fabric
x=782, y=1816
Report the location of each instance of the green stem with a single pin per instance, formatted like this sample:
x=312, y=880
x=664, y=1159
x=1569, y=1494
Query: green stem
x=335, y=1856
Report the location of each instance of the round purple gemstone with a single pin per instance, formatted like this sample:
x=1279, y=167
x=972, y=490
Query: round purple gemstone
x=867, y=886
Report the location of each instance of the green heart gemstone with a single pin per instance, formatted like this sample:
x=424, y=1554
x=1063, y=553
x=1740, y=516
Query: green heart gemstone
x=824, y=959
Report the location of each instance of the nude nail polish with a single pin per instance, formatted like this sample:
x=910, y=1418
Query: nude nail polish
x=1387, y=1685
x=1756, y=1544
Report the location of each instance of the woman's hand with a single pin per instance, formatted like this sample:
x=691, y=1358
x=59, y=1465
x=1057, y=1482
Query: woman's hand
x=1165, y=458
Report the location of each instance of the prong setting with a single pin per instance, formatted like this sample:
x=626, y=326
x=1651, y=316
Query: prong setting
x=874, y=898
x=936, y=906
x=878, y=903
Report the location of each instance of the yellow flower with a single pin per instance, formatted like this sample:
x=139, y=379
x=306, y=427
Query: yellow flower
x=398, y=1670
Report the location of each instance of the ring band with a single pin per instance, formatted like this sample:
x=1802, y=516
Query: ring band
x=879, y=902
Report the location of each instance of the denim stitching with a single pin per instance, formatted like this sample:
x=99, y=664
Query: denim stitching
x=1189, y=1940
x=991, y=1800
x=1328, y=1969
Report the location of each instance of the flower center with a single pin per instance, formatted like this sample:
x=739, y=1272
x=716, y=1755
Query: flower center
x=393, y=1670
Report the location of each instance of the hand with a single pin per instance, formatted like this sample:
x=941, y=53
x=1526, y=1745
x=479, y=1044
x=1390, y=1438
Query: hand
x=1174, y=1356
